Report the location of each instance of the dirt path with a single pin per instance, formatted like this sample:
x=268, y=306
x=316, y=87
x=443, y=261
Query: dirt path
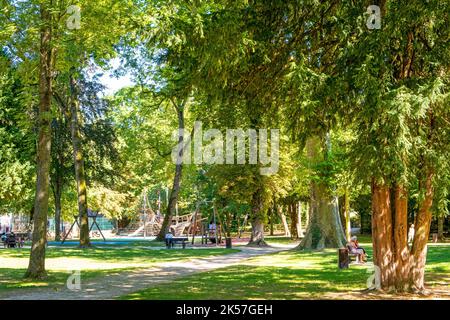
x=119, y=284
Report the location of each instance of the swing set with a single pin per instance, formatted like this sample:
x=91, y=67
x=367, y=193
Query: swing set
x=77, y=221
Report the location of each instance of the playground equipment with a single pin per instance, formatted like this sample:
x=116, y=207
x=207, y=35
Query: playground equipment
x=204, y=222
x=150, y=220
x=92, y=215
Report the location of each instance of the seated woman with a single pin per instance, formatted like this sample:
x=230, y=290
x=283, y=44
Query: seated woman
x=354, y=248
x=359, y=247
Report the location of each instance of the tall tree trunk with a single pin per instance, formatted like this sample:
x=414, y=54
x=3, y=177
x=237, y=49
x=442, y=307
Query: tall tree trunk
x=421, y=234
x=173, y=198
x=325, y=228
x=257, y=221
x=348, y=227
x=441, y=219
x=79, y=164
x=294, y=220
x=382, y=234
x=401, y=249
x=57, y=195
x=257, y=236
x=36, y=266
x=299, y=219
x=281, y=214
x=400, y=269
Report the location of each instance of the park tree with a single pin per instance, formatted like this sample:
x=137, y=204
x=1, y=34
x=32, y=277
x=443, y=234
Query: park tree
x=36, y=267
x=163, y=55
x=92, y=129
x=88, y=42
x=50, y=25
x=236, y=47
x=61, y=167
x=325, y=228
x=17, y=143
x=398, y=75
x=145, y=122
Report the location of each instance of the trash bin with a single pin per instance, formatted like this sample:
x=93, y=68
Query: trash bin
x=344, y=260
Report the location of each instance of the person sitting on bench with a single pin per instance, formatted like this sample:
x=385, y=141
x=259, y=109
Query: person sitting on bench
x=169, y=239
x=359, y=247
x=355, y=249
x=212, y=231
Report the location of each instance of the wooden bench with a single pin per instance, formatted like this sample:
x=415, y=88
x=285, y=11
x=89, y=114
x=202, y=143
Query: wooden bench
x=171, y=242
x=12, y=241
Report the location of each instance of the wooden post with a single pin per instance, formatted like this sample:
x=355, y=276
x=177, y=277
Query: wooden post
x=222, y=226
x=194, y=227
x=299, y=220
x=344, y=260
x=215, y=223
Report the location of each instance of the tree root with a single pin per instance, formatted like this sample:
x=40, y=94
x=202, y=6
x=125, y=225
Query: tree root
x=257, y=243
x=42, y=275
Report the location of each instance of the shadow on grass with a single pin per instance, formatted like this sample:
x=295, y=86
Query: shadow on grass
x=247, y=282
x=251, y=280
x=291, y=274
x=118, y=254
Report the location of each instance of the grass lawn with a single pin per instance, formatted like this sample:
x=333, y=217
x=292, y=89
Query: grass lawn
x=60, y=261
x=111, y=243
x=288, y=275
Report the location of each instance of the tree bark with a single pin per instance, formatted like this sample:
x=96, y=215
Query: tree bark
x=57, y=195
x=401, y=249
x=324, y=228
x=441, y=219
x=348, y=227
x=36, y=266
x=421, y=234
x=257, y=221
x=80, y=175
x=284, y=221
x=271, y=219
x=294, y=221
x=382, y=234
x=400, y=269
x=299, y=220
x=257, y=236
x=173, y=198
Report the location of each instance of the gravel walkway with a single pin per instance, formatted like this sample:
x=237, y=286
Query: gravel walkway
x=119, y=284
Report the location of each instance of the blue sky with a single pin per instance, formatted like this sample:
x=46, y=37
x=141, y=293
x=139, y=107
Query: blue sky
x=111, y=82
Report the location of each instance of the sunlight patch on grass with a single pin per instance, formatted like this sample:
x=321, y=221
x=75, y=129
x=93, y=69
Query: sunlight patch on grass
x=91, y=262
x=286, y=275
